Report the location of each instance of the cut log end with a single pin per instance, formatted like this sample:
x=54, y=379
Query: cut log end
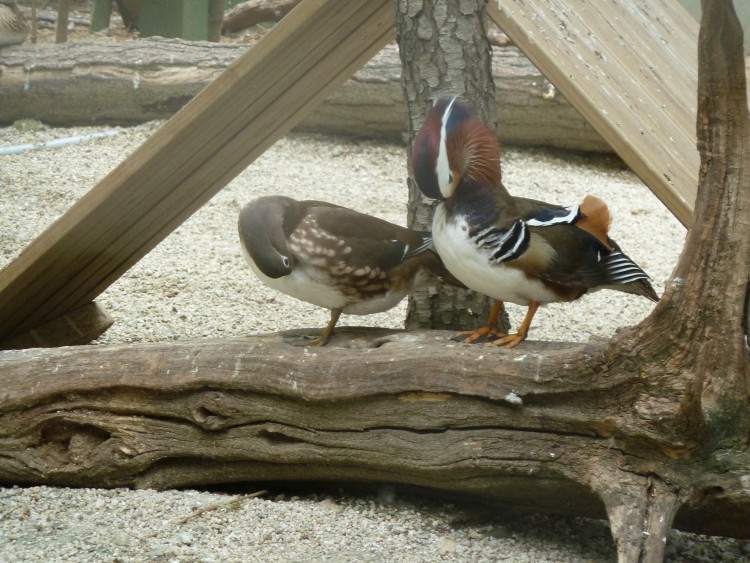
x=80, y=326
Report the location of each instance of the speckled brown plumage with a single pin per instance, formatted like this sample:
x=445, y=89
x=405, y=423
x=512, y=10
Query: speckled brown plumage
x=14, y=27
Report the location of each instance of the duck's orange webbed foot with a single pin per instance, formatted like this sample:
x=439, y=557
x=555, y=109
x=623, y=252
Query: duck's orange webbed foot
x=469, y=336
x=488, y=331
x=508, y=341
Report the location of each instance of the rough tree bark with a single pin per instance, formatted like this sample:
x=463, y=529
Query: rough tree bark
x=153, y=78
x=444, y=51
x=651, y=427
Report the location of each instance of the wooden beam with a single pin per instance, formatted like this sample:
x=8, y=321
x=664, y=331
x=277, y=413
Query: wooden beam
x=205, y=145
x=630, y=69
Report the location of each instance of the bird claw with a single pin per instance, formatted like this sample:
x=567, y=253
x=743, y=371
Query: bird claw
x=469, y=336
x=307, y=340
x=507, y=341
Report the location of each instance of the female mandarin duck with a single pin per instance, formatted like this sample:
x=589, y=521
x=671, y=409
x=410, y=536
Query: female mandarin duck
x=335, y=257
x=14, y=27
x=511, y=248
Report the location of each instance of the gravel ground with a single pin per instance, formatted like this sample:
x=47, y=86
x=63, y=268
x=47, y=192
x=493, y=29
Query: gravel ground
x=195, y=284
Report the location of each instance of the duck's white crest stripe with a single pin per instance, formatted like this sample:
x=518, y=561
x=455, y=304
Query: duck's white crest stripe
x=442, y=167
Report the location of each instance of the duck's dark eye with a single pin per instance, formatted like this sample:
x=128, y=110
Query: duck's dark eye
x=285, y=261
x=450, y=178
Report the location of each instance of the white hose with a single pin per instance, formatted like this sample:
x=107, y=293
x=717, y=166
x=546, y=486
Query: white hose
x=15, y=149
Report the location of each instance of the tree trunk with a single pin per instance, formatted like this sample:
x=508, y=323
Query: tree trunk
x=215, y=19
x=61, y=26
x=444, y=50
x=153, y=78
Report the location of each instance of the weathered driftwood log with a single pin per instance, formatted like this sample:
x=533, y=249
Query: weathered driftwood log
x=544, y=426
x=89, y=83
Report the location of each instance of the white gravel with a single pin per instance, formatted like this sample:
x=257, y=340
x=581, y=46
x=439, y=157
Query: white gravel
x=195, y=284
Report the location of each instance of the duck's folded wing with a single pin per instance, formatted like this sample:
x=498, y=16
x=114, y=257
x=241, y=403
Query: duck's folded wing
x=369, y=241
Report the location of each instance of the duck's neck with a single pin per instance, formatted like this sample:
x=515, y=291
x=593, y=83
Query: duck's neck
x=472, y=198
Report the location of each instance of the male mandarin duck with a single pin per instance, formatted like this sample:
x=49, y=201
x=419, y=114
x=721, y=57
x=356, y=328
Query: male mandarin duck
x=335, y=257
x=510, y=248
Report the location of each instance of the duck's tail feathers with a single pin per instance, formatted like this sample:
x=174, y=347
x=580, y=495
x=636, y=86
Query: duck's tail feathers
x=625, y=275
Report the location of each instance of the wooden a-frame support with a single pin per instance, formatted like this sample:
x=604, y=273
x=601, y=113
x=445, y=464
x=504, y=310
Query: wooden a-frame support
x=628, y=67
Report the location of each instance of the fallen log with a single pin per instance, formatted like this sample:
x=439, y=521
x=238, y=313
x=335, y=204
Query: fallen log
x=533, y=429
x=124, y=83
x=252, y=13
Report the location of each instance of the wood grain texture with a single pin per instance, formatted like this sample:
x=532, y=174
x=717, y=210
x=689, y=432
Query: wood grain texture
x=551, y=426
x=630, y=69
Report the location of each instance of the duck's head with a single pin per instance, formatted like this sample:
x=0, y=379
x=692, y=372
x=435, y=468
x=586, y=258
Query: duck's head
x=454, y=146
x=261, y=229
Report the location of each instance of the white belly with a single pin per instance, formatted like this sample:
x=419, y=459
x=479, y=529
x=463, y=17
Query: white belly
x=302, y=284
x=471, y=264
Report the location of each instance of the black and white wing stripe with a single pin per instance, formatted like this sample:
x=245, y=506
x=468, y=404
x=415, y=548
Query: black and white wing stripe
x=511, y=243
x=425, y=244
x=503, y=244
x=546, y=217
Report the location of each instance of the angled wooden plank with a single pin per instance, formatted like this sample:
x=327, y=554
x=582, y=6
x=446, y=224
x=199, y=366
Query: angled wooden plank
x=629, y=67
x=197, y=152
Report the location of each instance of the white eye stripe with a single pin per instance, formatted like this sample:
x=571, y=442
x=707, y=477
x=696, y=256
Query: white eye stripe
x=442, y=167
